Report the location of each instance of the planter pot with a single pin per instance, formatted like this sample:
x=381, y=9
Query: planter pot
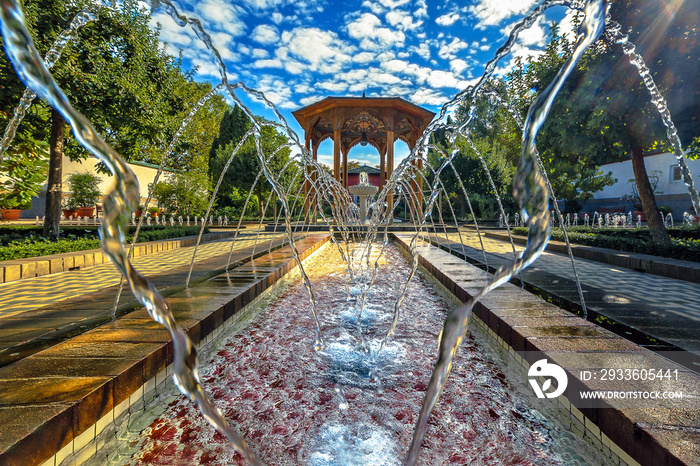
x=137, y=213
x=10, y=214
x=86, y=212
x=641, y=214
x=68, y=213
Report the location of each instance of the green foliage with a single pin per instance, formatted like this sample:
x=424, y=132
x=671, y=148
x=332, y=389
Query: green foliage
x=685, y=242
x=24, y=165
x=19, y=243
x=84, y=190
x=232, y=127
x=184, y=193
x=240, y=178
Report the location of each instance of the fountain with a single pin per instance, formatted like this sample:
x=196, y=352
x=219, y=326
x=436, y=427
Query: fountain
x=364, y=191
x=531, y=193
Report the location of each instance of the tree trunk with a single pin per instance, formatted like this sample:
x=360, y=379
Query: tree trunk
x=654, y=220
x=52, y=217
x=260, y=203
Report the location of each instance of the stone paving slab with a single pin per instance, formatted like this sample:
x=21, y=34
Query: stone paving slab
x=32, y=327
x=655, y=310
x=657, y=265
x=56, y=396
x=663, y=435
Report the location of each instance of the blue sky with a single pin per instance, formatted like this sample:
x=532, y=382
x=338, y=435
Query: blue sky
x=298, y=52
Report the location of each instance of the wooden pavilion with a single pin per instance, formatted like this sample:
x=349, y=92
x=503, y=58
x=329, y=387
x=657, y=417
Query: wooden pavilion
x=349, y=121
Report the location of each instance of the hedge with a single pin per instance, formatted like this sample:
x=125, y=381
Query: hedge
x=685, y=242
x=35, y=246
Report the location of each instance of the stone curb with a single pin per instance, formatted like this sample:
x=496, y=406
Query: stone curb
x=30, y=267
x=518, y=320
x=65, y=401
x=670, y=268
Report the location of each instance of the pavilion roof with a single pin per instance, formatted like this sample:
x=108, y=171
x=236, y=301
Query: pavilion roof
x=374, y=116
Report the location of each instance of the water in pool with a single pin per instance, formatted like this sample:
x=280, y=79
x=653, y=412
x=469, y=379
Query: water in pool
x=348, y=405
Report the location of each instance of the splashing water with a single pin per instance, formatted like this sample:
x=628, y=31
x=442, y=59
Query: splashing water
x=118, y=205
x=531, y=190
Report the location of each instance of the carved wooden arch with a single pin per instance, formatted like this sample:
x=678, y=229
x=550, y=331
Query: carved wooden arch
x=353, y=114
x=379, y=144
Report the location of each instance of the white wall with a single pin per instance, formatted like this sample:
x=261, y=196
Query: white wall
x=622, y=171
x=145, y=175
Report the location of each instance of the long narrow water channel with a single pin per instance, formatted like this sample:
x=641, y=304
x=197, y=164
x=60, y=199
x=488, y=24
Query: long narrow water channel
x=298, y=406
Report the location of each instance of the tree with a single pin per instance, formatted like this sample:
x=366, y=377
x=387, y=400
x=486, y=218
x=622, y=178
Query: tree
x=602, y=114
x=192, y=153
x=116, y=73
x=246, y=165
x=232, y=127
x=184, y=193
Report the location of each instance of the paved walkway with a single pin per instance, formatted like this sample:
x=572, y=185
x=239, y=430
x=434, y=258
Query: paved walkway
x=37, y=312
x=28, y=294
x=661, y=307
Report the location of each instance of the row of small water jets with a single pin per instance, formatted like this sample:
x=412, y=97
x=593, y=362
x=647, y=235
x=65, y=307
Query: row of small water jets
x=532, y=190
x=597, y=220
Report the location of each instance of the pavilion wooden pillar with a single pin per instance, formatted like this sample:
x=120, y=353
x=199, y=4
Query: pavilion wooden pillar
x=307, y=185
x=345, y=169
x=418, y=184
x=390, y=171
x=336, y=154
x=314, y=190
x=382, y=169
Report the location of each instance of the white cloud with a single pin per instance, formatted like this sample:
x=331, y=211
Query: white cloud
x=395, y=66
x=354, y=75
x=270, y=63
x=333, y=86
x=223, y=43
x=260, y=53
x=171, y=33
x=222, y=15
x=380, y=78
x=439, y=78
x=427, y=97
x=265, y=34
x=422, y=50
x=263, y=4
x=493, y=12
x=277, y=17
x=206, y=68
x=402, y=19
x=309, y=100
x=458, y=65
x=534, y=35
x=367, y=29
x=363, y=57
x=293, y=66
x=323, y=50
x=449, y=50
x=447, y=20
x=358, y=87
x=421, y=9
